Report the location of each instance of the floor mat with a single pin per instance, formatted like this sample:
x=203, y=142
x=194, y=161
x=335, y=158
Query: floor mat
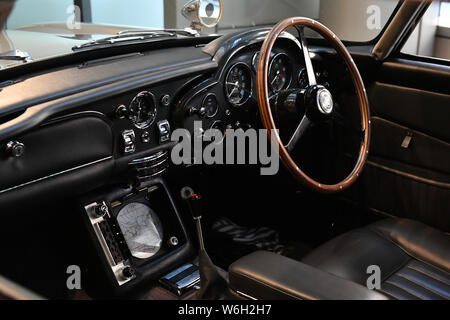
x=230, y=241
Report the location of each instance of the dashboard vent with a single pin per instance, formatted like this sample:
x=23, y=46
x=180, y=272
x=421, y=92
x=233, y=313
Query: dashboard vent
x=151, y=167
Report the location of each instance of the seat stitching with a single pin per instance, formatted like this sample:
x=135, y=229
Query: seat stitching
x=429, y=275
x=401, y=288
x=404, y=250
x=398, y=268
x=389, y=294
x=420, y=285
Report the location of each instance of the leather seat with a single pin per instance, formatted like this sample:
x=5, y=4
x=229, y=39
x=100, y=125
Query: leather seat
x=414, y=259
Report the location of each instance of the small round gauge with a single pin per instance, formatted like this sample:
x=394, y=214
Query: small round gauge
x=255, y=61
x=142, y=110
x=303, y=78
x=210, y=105
x=280, y=72
x=238, y=84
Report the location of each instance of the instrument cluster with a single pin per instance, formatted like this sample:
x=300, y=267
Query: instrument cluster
x=286, y=71
x=229, y=100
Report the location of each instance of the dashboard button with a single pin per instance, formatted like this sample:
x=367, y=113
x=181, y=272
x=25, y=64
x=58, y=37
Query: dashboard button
x=165, y=100
x=145, y=137
x=164, y=131
x=129, y=138
x=15, y=149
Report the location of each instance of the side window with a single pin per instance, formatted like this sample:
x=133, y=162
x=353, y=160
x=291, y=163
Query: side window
x=431, y=37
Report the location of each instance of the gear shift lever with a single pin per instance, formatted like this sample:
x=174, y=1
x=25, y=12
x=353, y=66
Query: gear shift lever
x=212, y=285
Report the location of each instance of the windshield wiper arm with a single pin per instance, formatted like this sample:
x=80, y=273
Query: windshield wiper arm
x=132, y=36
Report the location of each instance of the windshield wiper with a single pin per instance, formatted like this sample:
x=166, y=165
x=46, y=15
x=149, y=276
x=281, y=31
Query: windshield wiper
x=16, y=55
x=181, y=32
x=133, y=36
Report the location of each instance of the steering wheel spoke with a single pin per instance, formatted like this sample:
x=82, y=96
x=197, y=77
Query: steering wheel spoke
x=308, y=63
x=299, y=132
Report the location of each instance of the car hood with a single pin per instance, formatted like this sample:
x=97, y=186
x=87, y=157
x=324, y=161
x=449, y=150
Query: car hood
x=44, y=41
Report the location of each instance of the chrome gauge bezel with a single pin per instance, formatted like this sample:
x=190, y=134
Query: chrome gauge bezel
x=255, y=61
x=270, y=68
x=152, y=115
x=250, y=92
x=217, y=105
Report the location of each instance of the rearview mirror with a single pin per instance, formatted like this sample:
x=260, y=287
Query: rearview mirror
x=206, y=13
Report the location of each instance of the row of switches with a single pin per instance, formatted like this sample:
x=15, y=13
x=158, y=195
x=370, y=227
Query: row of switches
x=129, y=136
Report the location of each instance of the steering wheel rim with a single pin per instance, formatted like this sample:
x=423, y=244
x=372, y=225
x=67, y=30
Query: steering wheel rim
x=266, y=112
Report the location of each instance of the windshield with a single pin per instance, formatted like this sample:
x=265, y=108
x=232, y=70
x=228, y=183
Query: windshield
x=45, y=28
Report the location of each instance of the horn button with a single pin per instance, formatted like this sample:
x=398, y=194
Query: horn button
x=319, y=103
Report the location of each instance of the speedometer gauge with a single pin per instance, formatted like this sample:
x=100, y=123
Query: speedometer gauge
x=280, y=73
x=238, y=84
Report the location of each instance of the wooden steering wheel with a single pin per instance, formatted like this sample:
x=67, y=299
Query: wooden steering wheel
x=317, y=100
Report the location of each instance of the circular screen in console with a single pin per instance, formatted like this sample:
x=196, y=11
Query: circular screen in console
x=141, y=229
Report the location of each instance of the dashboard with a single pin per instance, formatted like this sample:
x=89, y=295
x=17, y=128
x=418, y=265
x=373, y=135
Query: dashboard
x=136, y=100
x=100, y=132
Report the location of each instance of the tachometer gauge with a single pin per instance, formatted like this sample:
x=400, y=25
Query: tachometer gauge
x=238, y=84
x=280, y=73
x=142, y=110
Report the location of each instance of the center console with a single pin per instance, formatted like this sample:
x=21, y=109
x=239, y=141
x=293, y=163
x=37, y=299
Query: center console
x=137, y=235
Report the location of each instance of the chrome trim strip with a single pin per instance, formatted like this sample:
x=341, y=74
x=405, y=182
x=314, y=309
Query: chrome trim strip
x=55, y=175
x=411, y=176
x=244, y=295
x=151, y=158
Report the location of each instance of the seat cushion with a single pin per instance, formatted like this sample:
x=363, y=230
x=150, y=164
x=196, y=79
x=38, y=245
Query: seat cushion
x=414, y=259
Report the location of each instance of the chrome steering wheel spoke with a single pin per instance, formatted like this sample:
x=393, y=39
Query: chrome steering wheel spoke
x=308, y=64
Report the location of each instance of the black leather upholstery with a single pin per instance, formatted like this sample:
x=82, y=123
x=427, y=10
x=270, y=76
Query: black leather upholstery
x=414, y=259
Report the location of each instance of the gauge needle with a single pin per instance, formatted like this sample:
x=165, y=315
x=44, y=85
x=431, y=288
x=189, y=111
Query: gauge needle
x=232, y=92
x=236, y=87
x=236, y=84
x=274, y=79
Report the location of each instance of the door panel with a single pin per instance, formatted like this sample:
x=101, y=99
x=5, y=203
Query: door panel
x=409, y=178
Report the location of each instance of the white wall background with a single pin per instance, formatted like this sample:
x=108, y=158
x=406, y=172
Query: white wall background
x=347, y=18
x=28, y=12
x=142, y=13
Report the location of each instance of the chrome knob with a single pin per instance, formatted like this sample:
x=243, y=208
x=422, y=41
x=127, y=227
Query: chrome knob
x=121, y=112
x=101, y=210
x=173, y=241
x=128, y=273
x=15, y=148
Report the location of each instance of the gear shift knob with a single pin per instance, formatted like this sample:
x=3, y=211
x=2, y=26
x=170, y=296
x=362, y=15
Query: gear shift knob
x=193, y=200
x=195, y=205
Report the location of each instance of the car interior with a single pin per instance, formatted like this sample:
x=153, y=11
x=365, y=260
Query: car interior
x=90, y=184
